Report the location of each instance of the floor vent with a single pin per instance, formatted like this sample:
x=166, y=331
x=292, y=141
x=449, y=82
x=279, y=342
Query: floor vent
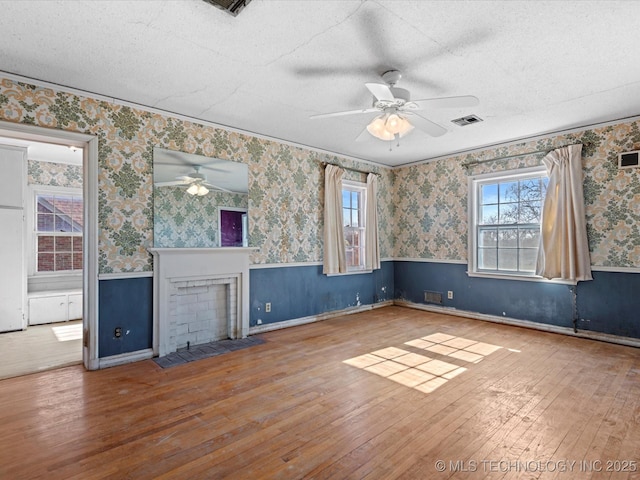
x=468, y=120
x=234, y=7
x=433, y=297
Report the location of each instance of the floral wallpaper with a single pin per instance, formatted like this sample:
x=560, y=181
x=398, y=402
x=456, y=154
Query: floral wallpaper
x=285, y=182
x=431, y=199
x=183, y=220
x=56, y=174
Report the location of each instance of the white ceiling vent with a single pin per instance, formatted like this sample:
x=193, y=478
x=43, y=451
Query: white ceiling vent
x=234, y=7
x=468, y=120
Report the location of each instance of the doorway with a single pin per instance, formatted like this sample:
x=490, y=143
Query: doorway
x=59, y=325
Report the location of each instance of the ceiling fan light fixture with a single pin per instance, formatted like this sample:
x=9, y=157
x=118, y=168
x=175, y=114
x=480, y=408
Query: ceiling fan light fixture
x=193, y=189
x=387, y=126
x=197, y=189
x=202, y=190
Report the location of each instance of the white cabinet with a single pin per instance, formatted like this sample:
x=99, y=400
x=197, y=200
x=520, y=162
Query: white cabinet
x=51, y=307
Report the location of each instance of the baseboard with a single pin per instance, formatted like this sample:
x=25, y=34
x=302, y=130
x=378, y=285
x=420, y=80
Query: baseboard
x=603, y=337
x=128, y=357
x=268, y=327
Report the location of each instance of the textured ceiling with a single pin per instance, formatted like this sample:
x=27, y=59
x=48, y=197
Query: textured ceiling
x=536, y=67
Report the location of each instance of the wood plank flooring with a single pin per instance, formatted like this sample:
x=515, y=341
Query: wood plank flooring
x=394, y=393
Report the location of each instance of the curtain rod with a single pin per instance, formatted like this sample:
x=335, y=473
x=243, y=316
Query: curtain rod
x=473, y=163
x=324, y=164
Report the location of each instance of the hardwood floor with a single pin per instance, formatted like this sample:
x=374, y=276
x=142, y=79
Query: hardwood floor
x=386, y=394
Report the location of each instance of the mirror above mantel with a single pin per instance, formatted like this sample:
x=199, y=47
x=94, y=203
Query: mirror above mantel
x=198, y=201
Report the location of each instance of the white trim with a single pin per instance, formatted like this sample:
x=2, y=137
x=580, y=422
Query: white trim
x=602, y=268
x=257, y=266
x=515, y=141
x=268, y=327
x=429, y=260
x=124, y=275
x=604, y=337
x=348, y=272
x=89, y=145
x=526, y=278
x=123, y=358
x=63, y=88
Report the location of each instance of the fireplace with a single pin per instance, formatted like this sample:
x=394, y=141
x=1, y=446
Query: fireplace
x=200, y=295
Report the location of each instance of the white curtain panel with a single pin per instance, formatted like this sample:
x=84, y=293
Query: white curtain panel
x=372, y=245
x=564, y=249
x=334, y=252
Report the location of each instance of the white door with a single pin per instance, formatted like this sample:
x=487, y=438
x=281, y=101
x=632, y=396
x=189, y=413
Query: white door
x=13, y=275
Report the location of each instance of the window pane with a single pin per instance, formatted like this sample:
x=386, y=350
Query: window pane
x=528, y=257
x=45, y=222
x=45, y=262
x=530, y=189
x=63, y=204
x=63, y=223
x=508, y=213
x=529, y=237
x=346, y=199
x=489, y=215
x=346, y=217
x=64, y=261
x=45, y=203
x=530, y=211
x=508, y=237
x=488, y=194
x=77, y=261
x=355, y=221
x=45, y=244
x=508, y=259
x=488, y=237
x=509, y=192
x=77, y=244
x=77, y=214
x=487, y=258
x=63, y=244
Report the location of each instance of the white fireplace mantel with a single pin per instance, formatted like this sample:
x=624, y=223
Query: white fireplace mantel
x=180, y=264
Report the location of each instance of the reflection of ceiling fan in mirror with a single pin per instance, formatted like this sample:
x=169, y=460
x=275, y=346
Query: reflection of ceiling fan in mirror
x=397, y=113
x=195, y=182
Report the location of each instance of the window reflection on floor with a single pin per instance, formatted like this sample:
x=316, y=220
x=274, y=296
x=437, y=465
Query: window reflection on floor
x=419, y=370
x=65, y=333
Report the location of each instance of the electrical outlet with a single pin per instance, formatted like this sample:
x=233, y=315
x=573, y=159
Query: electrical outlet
x=267, y=307
x=259, y=322
x=117, y=332
x=450, y=294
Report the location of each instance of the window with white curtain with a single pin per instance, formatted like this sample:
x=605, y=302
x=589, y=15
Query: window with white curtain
x=354, y=200
x=504, y=222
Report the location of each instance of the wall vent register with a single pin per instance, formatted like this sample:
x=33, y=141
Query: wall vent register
x=629, y=159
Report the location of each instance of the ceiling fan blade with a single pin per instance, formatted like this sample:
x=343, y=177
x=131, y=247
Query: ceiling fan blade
x=427, y=126
x=171, y=183
x=462, y=101
x=380, y=91
x=216, y=187
x=348, y=112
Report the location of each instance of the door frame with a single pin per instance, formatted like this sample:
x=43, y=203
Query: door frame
x=89, y=145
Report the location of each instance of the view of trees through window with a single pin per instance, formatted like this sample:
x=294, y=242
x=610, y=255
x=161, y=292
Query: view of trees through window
x=58, y=232
x=353, y=224
x=509, y=224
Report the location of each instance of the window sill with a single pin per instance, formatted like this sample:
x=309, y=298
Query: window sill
x=350, y=272
x=526, y=278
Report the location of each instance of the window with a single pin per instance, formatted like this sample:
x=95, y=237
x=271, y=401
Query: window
x=504, y=221
x=58, y=231
x=354, y=197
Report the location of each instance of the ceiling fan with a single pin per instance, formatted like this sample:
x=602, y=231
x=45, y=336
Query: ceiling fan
x=195, y=182
x=397, y=113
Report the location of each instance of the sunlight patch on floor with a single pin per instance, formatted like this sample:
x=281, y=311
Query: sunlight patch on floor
x=65, y=333
x=418, y=370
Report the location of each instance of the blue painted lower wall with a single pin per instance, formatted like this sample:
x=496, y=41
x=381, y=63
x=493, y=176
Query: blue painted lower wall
x=606, y=305
x=125, y=303
x=609, y=304
x=302, y=291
